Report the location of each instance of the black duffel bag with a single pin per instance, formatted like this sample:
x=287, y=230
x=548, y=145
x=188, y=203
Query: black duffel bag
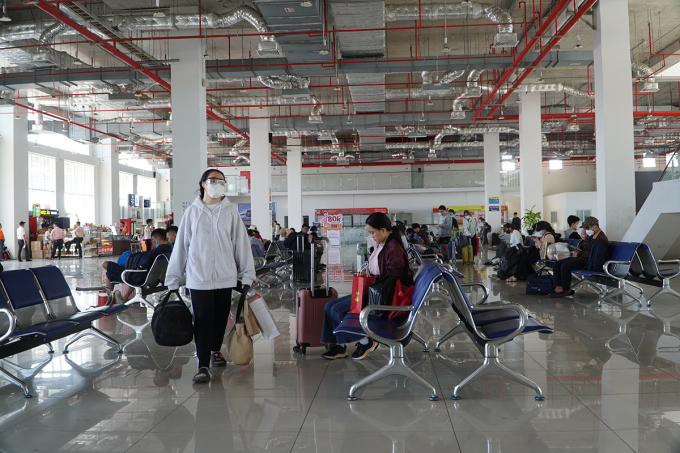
x=172, y=323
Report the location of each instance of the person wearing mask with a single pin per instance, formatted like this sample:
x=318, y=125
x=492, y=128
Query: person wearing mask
x=444, y=231
x=114, y=271
x=425, y=236
x=256, y=233
x=78, y=235
x=389, y=258
x=513, y=239
x=22, y=240
x=417, y=234
x=255, y=241
x=572, y=231
x=454, y=221
x=516, y=222
x=57, y=241
x=2, y=244
x=470, y=230
x=483, y=230
x=172, y=235
x=579, y=259
x=213, y=251
x=148, y=229
x=283, y=235
x=543, y=236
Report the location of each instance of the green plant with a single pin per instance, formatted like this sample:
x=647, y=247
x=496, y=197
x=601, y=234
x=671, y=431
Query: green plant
x=530, y=218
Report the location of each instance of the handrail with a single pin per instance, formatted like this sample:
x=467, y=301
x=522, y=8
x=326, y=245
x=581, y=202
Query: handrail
x=670, y=164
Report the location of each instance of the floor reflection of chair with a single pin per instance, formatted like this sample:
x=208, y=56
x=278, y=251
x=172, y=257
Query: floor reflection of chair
x=494, y=432
x=91, y=371
x=668, y=343
x=27, y=375
x=621, y=318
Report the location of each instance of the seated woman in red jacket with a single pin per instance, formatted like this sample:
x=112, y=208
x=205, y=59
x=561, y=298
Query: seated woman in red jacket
x=389, y=258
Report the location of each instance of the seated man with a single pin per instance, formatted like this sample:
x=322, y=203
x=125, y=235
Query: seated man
x=417, y=239
x=114, y=270
x=172, y=235
x=255, y=241
x=579, y=259
x=425, y=236
x=513, y=239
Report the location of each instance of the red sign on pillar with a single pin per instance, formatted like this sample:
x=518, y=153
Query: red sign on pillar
x=247, y=175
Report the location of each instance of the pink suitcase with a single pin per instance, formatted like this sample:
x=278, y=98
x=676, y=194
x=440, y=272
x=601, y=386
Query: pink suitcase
x=309, y=311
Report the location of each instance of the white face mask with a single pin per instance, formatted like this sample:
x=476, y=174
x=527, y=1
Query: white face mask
x=537, y=234
x=467, y=217
x=590, y=232
x=215, y=190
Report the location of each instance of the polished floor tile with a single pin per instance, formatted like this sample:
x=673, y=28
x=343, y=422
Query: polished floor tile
x=610, y=375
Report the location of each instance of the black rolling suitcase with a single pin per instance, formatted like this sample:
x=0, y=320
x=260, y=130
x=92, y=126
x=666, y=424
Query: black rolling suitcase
x=301, y=262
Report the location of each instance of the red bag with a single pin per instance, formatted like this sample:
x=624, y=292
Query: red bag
x=360, y=284
x=402, y=298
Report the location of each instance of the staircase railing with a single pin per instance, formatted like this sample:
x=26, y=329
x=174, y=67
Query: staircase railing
x=671, y=171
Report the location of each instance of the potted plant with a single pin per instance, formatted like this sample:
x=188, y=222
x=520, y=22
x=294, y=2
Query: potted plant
x=530, y=219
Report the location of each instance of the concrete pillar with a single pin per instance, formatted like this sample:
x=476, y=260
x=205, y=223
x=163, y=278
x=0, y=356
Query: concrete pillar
x=492, y=180
x=14, y=179
x=530, y=153
x=260, y=171
x=189, y=125
x=614, y=145
x=294, y=167
x=108, y=202
x=60, y=185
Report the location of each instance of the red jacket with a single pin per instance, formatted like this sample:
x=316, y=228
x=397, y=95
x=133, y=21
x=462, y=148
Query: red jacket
x=393, y=260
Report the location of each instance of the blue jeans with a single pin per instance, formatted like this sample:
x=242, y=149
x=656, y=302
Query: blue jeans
x=334, y=312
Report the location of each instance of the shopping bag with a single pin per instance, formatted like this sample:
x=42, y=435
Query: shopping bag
x=239, y=343
x=249, y=318
x=402, y=298
x=381, y=292
x=360, y=284
x=264, y=317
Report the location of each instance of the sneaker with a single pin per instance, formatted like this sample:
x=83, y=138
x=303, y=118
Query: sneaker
x=118, y=298
x=362, y=350
x=202, y=375
x=335, y=352
x=218, y=359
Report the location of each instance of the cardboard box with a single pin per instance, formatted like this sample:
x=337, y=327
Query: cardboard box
x=36, y=247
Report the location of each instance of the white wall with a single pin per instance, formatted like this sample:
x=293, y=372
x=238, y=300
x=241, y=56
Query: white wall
x=577, y=176
x=566, y=204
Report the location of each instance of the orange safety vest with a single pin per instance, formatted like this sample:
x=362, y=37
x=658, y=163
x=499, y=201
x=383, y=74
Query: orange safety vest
x=2, y=236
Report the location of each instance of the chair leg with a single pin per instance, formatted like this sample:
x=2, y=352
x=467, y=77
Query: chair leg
x=665, y=289
x=420, y=340
x=96, y=333
x=397, y=366
x=50, y=349
x=16, y=381
x=624, y=291
x=492, y=365
x=455, y=331
x=139, y=299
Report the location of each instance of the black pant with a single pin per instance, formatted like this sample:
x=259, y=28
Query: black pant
x=56, y=246
x=77, y=242
x=211, y=315
x=149, y=244
x=24, y=246
x=524, y=268
x=562, y=271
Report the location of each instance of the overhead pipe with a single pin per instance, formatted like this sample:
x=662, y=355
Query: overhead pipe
x=317, y=110
x=554, y=88
x=472, y=90
x=284, y=82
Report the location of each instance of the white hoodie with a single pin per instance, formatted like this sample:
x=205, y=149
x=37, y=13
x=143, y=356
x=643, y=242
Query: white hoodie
x=212, y=248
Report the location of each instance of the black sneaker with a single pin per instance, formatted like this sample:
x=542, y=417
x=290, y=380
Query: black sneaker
x=218, y=359
x=335, y=352
x=362, y=350
x=202, y=375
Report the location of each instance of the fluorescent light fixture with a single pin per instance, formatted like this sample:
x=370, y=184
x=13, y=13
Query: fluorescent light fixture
x=649, y=162
x=555, y=164
x=506, y=156
x=507, y=165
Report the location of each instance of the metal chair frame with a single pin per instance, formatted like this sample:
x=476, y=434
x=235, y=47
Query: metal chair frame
x=650, y=267
x=155, y=276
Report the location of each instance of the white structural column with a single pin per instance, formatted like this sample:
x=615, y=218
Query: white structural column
x=294, y=167
x=492, y=180
x=189, y=124
x=260, y=171
x=614, y=119
x=109, y=183
x=14, y=179
x=530, y=153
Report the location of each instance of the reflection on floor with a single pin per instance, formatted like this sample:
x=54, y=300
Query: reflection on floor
x=611, y=378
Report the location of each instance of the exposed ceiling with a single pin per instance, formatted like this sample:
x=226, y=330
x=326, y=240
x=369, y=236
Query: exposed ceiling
x=378, y=77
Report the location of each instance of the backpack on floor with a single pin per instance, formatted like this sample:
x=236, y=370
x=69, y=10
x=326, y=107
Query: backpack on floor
x=540, y=284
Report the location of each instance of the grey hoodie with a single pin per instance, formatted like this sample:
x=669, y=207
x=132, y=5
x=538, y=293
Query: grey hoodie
x=212, y=248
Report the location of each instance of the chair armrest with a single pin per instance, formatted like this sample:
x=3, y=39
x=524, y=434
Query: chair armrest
x=484, y=289
x=12, y=324
x=259, y=262
x=523, y=319
x=676, y=262
x=363, y=318
x=609, y=263
x=132, y=271
x=109, y=293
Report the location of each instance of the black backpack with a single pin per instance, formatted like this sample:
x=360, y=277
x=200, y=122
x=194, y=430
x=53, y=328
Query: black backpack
x=598, y=256
x=172, y=323
x=137, y=261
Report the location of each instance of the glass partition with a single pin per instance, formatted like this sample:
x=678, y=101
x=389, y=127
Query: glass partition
x=671, y=171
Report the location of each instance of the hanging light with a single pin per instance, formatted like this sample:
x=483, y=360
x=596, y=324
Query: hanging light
x=429, y=102
x=5, y=17
x=158, y=13
x=306, y=4
x=446, y=48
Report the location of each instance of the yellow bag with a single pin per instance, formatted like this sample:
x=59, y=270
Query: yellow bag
x=239, y=343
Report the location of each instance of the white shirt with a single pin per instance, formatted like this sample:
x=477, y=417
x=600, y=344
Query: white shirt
x=515, y=238
x=147, y=232
x=48, y=237
x=469, y=227
x=21, y=233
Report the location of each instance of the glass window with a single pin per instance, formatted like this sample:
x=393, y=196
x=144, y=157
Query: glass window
x=79, y=191
x=146, y=187
x=42, y=181
x=555, y=164
x=649, y=162
x=553, y=216
x=126, y=186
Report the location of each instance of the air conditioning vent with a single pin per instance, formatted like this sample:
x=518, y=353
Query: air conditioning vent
x=269, y=49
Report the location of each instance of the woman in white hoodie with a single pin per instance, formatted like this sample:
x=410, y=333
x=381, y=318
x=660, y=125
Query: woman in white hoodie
x=213, y=251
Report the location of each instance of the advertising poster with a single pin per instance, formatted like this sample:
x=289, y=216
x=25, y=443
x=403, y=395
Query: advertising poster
x=245, y=213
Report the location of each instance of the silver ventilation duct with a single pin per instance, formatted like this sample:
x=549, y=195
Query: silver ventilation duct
x=51, y=32
x=417, y=92
x=427, y=77
x=471, y=91
x=464, y=10
x=368, y=89
x=317, y=110
x=450, y=76
x=554, y=88
x=650, y=85
x=360, y=15
x=284, y=82
x=456, y=130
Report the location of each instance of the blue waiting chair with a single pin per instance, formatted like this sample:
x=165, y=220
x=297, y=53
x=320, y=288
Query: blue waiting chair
x=490, y=326
x=650, y=269
x=393, y=333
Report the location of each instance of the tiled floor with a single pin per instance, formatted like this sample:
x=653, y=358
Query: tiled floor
x=610, y=376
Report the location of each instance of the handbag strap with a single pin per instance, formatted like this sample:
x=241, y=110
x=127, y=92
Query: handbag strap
x=166, y=298
x=241, y=304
